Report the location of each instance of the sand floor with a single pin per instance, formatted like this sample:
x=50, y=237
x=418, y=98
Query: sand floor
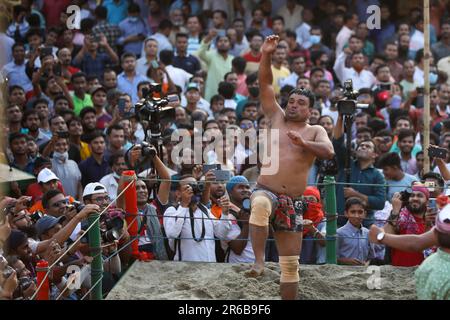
x=181, y=280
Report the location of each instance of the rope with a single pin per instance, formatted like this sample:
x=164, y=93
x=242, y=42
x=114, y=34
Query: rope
x=309, y=184
x=92, y=288
x=76, y=241
x=242, y=220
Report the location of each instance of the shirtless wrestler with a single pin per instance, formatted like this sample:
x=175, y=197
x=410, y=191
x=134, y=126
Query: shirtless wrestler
x=277, y=198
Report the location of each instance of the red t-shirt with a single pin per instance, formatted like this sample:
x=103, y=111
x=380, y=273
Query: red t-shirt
x=409, y=259
x=251, y=58
x=52, y=11
x=34, y=190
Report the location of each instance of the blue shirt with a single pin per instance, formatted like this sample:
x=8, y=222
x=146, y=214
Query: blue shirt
x=116, y=11
x=17, y=76
x=92, y=66
x=398, y=186
x=354, y=243
x=371, y=175
x=132, y=28
x=92, y=171
x=125, y=85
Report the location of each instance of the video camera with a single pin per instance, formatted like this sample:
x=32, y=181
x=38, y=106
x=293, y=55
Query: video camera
x=155, y=109
x=348, y=106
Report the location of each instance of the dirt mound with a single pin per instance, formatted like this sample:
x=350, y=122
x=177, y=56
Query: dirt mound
x=189, y=280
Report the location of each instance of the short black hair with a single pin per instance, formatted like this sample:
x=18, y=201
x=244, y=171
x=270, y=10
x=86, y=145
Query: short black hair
x=15, y=136
x=38, y=101
x=48, y=196
x=165, y=24
x=78, y=75
x=127, y=55
x=381, y=66
x=391, y=159
x=251, y=78
x=94, y=135
x=304, y=92
x=239, y=63
x=354, y=201
x=181, y=35
x=404, y=133
x=113, y=127
x=166, y=57
x=33, y=32
x=216, y=97
x=101, y=12
x=114, y=157
x=278, y=18
x=222, y=13
x=17, y=44
x=87, y=110
x=436, y=176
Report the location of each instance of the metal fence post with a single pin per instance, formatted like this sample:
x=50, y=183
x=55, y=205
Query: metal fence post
x=331, y=214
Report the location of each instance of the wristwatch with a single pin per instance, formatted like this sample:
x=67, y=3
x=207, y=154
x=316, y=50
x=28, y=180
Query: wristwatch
x=380, y=236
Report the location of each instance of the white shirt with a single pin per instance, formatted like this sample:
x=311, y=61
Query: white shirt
x=290, y=80
x=364, y=79
x=201, y=104
x=177, y=223
x=417, y=41
x=232, y=232
x=179, y=76
x=342, y=38
x=418, y=77
x=111, y=185
x=303, y=35
x=291, y=20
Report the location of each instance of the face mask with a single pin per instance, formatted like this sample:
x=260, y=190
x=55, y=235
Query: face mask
x=254, y=91
x=433, y=78
x=315, y=39
x=60, y=157
x=396, y=101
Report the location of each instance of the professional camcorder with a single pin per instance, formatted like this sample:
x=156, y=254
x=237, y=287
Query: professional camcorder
x=348, y=106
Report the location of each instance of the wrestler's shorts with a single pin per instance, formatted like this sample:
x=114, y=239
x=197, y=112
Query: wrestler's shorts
x=287, y=213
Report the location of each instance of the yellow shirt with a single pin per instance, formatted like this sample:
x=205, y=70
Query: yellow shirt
x=278, y=76
x=85, y=152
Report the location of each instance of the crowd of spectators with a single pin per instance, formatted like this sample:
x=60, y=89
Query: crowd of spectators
x=70, y=121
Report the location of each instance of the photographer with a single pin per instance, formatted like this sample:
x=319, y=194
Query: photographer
x=236, y=246
x=408, y=216
x=191, y=226
x=151, y=232
x=362, y=172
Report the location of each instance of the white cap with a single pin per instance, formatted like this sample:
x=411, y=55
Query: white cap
x=46, y=175
x=94, y=188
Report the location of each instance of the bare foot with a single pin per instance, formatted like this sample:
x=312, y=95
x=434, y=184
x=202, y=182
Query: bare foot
x=256, y=270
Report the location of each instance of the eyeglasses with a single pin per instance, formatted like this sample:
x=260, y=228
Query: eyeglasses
x=60, y=203
x=101, y=199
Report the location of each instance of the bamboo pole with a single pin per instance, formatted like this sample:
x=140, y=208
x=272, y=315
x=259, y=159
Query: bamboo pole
x=330, y=208
x=426, y=69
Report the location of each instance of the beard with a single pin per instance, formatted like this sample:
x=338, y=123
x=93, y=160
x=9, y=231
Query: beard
x=417, y=210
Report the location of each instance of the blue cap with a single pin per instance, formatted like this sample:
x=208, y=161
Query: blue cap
x=235, y=181
x=47, y=222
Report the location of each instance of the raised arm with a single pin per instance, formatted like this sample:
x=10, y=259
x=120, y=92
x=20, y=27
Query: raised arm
x=269, y=103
